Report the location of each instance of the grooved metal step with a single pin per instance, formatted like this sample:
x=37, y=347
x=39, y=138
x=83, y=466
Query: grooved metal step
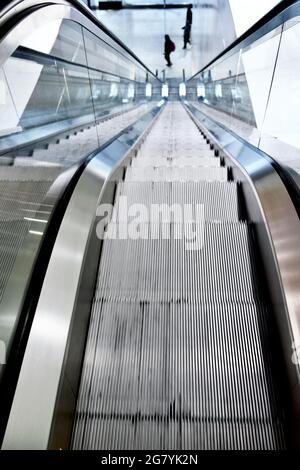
x=20, y=203
x=178, y=353
x=219, y=199
x=163, y=375
x=179, y=162
x=188, y=173
x=70, y=150
x=165, y=269
x=25, y=181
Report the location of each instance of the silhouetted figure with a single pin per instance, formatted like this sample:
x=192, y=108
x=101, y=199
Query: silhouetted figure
x=189, y=15
x=169, y=47
x=186, y=35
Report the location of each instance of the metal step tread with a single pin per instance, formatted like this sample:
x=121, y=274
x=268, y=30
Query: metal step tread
x=27, y=173
x=188, y=173
x=218, y=267
x=219, y=199
x=178, y=352
x=183, y=370
x=180, y=162
x=79, y=145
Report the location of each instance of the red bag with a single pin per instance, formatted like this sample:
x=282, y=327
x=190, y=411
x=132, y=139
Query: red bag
x=173, y=46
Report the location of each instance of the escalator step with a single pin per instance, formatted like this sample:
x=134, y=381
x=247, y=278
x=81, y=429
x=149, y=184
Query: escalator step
x=178, y=353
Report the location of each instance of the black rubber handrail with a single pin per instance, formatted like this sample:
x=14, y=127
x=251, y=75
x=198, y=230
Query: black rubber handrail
x=284, y=11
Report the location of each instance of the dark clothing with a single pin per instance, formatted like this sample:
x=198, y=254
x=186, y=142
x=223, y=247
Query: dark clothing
x=168, y=46
x=189, y=16
x=186, y=35
x=168, y=50
x=187, y=28
x=167, y=57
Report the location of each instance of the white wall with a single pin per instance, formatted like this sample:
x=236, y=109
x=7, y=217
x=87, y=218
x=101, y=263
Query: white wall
x=283, y=116
x=258, y=63
x=247, y=12
x=279, y=123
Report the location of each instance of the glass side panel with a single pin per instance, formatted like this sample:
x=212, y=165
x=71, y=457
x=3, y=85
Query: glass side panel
x=63, y=93
x=280, y=131
x=258, y=62
x=241, y=83
x=114, y=86
x=9, y=117
x=218, y=82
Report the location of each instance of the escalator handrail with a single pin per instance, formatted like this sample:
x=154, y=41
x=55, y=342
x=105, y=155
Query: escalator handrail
x=19, y=8
x=283, y=172
x=49, y=244
x=9, y=378
x=284, y=11
x=42, y=58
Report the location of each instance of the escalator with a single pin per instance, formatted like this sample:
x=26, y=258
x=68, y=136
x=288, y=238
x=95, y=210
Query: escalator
x=177, y=356
x=149, y=249
x=59, y=108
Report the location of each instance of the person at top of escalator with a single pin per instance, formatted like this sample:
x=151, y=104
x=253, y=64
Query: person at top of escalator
x=189, y=14
x=169, y=48
x=186, y=35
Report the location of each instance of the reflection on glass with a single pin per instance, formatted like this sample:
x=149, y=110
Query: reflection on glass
x=256, y=71
x=280, y=131
x=130, y=93
x=201, y=91
x=9, y=118
x=63, y=93
x=182, y=90
x=235, y=89
x=148, y=91
x=256, y=92
x=236, y=94
x=165, y=90
x=114, y=90
x=218, y=90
